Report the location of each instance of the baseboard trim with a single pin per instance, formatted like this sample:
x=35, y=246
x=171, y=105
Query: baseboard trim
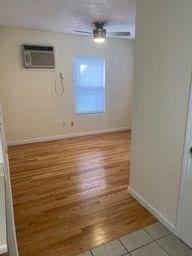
x=3, y=249
x=65, y=136
x=156, y=213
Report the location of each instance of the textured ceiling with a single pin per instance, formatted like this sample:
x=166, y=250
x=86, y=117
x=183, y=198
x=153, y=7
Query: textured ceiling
x=68, y=15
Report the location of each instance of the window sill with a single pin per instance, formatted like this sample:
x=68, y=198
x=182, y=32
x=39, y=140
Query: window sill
x=94, y=113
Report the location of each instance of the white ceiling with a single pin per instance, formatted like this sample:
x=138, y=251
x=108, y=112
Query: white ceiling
x=65, y=16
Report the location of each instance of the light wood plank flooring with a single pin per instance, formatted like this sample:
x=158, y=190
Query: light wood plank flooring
x=71, y=195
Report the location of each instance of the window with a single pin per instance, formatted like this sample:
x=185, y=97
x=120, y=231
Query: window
x=89, y=85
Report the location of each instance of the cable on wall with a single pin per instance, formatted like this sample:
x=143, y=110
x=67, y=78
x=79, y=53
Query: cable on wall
x=59, y=85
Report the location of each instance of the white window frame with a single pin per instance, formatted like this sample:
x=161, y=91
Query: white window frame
x=75, y=83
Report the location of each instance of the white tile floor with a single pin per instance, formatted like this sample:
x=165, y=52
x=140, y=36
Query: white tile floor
x=154, y=240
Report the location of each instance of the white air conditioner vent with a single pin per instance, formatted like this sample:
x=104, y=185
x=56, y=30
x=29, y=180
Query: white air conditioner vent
x=38, y=56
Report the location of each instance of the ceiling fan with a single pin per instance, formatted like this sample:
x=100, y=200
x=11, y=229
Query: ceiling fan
x=99, y=32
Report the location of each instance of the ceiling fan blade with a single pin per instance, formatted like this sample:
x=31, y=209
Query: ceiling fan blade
x=126, y=34
x=83, y=32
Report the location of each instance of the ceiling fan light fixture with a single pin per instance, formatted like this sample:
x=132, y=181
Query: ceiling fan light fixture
x=99, y=35
x=99, y=40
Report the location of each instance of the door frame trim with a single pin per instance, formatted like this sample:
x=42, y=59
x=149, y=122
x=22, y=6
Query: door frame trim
x=12, y=245
x=185, y=168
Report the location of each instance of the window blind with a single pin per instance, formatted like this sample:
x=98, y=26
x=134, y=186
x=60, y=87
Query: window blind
x=89, y=85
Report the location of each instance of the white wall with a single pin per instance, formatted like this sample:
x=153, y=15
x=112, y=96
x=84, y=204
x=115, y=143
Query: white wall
x=3, y=242
x=163, y=62
x=30, y=107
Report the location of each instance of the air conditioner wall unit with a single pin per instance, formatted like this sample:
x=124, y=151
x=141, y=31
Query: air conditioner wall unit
x=38, y=56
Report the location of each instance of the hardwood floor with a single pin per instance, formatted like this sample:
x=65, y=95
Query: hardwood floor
x=71, y=195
